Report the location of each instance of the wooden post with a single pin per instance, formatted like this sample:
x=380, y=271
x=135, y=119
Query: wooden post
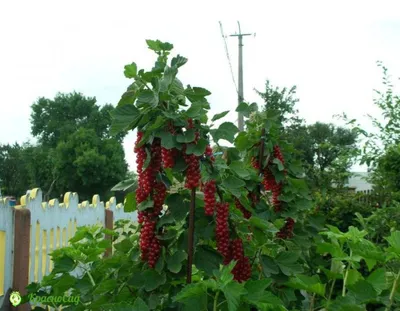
x=22, y=238
x=109, y=222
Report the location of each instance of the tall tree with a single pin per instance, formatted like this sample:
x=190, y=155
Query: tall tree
x=75, y=145
x=13, y=172
x=53, y=120
x=327, y=150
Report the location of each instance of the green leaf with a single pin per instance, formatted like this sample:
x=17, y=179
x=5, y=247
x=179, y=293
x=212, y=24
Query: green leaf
x=145, y=205
x=244, y=109
x=207, y=259
x=123, y=117
x=309, y=283
x=178, y=61
x=194, y=110
x=175, y=261
x=362, y=291
x=130, y=71
x=242, y=141
x=268, y=265
x=124, y=246
x=153, y=280
x=226, y=130
x=186, y=137
x=140, y=305
x=158, y=46
x=130, y=202
x=125, y=185
x=197, y=149
x=287, y=262
x=239, y=168
x=394, y=242
x=263, y=225
x=279, y=163
x=353, y=277
x=63, y=264
x=147, y=97
x=177, y=206
x=219, y=115
x=378, y=280
x=105, y=286
x=168, y=141
x=193, y=296
x=79, y=235
x=169, y=76
x=257, y=294
x=233, y=291
x=232, y=182
x=160, y=121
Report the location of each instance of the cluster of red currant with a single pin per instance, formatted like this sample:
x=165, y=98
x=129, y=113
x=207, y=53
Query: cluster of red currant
x=270, y=183
x=286, y=231
x=231, y=250
x=149, y=186
x=168, y=155
x=240, y=207
x=209, y=190
x=242, y=270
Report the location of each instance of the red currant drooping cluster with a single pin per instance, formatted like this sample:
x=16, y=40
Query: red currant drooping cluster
x=209, y=153
x=270, y=183
x=222, y=231
x=209, y=190
x=240, y=207
x=192, y=171
x=286, y=231
x=242, y=269
x=254, y=163
x=148, y=185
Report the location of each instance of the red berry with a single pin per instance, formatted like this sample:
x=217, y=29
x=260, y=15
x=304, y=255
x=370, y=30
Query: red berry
x=239, y=206
x=222, y=229
x=286, y=231
x=209, y=190
x=254, y=163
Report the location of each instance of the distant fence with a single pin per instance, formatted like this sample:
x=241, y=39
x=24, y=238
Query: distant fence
x=31, y=231
x=373, y=198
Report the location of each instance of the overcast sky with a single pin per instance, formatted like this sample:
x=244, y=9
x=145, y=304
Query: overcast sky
x=329, y=51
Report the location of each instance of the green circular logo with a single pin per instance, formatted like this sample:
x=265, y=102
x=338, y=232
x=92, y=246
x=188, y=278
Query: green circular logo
x=15, y=298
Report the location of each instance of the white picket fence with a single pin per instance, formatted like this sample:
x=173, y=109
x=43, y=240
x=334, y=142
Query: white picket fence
x=52, y=225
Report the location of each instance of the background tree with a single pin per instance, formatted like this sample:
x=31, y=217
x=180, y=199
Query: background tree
x=328, y=151
x=13, y=172
x=74, y=152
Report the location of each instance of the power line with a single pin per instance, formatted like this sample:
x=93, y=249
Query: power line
x=228, y=57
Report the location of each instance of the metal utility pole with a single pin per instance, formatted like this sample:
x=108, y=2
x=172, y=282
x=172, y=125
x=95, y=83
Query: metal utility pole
x=240, y=36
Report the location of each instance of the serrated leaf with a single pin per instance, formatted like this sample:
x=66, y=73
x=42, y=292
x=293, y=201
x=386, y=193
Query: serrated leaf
x=309, y=283
x=130, y=71
x=145, y=205
x=193, y=296
x=178, y=208
x=123, y=117
x=130, y=202
x=186, y=137
x=175, y=261
x=140, y=305
x=226, y=131
x=147, y=97
x=153, y=280
x=242, y=141
x=194, y=110
x=268, y=265
x=378, y=280
x=178, y=61
x=219, y=115
x=279, y=163
x=239, y=168
x=232, y=182
x=207, y=259
x=125, y=185
x=233, y=291
x=287, y=262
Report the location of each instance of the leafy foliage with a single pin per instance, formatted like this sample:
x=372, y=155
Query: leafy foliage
x=188, y=258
